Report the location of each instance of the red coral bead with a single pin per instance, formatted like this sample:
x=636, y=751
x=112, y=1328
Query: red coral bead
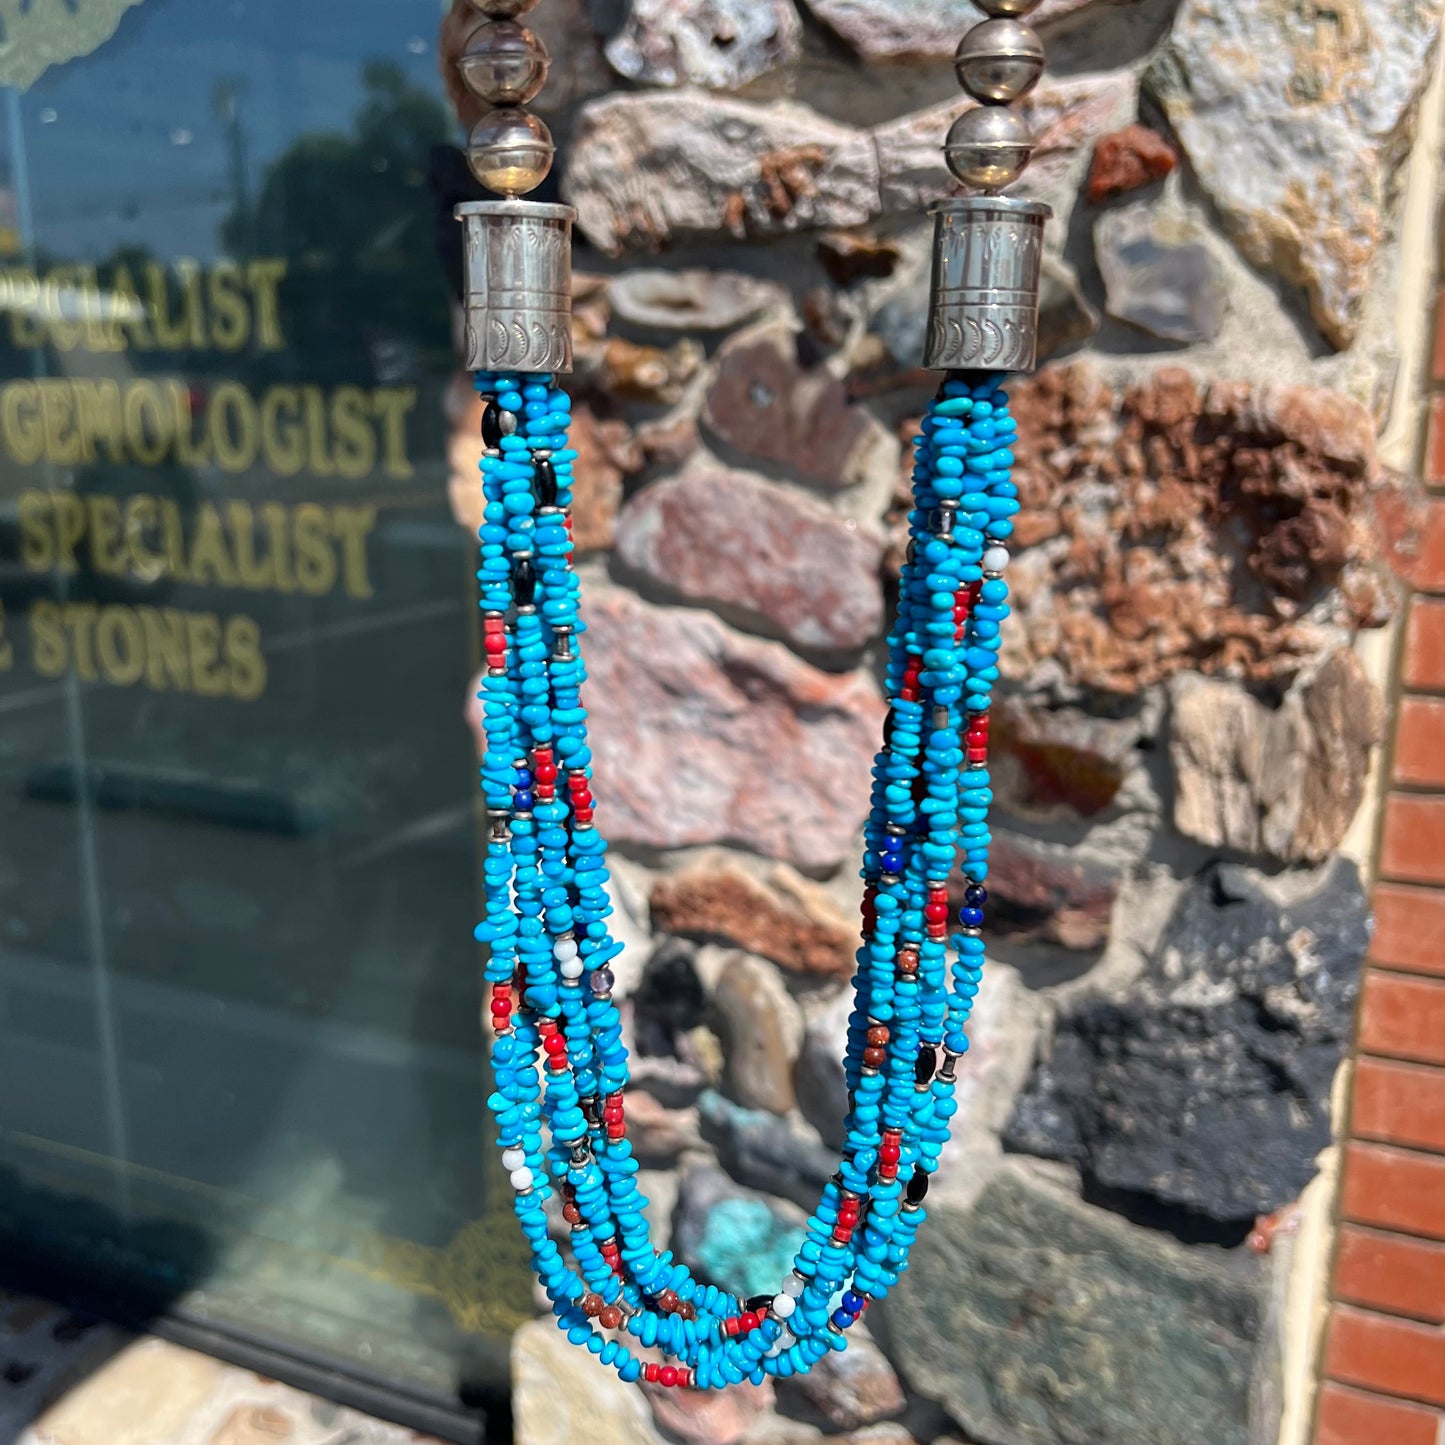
x=748, y=1323
x=667, y=1375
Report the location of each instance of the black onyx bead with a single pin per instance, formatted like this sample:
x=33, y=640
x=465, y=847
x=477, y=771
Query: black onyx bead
x=524, y=582
x=917, y=1187
x=924, y=1068
x=544, y=484
x=492, y=425
x=758, y=1302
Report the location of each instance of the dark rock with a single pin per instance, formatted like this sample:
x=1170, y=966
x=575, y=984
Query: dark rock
x=850, y=256
x=765, y=404
x=1037, y=1320
x=1126, y=159
x=1207, y=1087
x=730, y=1235
x=669, y=1001
x=765, y=1152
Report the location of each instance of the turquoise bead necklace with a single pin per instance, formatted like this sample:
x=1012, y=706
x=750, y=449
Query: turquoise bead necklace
x=560, y=1066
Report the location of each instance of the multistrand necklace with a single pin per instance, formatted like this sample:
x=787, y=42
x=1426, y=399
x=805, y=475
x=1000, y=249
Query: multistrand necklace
x=560, y=1065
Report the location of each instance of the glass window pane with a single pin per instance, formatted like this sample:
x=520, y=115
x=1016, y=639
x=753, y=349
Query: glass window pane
x=241, y=1068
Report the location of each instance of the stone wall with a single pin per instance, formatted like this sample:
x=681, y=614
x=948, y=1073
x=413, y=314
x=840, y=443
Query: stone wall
x=1184, y=737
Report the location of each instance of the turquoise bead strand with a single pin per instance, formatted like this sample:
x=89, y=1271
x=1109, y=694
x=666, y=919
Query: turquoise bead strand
x=559, y=1062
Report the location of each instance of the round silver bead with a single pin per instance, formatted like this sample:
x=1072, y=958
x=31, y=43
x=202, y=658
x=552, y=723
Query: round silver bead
x=504, y=63
x=999, y=61
x=988, y=147
x=510, y=151
x=996, y=8
x=505, y=9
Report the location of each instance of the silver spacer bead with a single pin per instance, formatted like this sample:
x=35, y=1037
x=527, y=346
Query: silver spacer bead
x=999, y=61
x=988, y=148
x=504, y=63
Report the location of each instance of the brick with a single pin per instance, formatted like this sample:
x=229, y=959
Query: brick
x=1409, y=929
x=1394, y=1189
x=1425, y=646
x=1403, y=1017
x=1391, y=1273
x=1412, y=529
x=1435, y=444
x=1377, y=1352
x=1399, y=1104
x=1413, y=846
x=1420, y=742
x=1352, y=1417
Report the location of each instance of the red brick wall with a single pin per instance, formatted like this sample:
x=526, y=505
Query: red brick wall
x=1383, y=1358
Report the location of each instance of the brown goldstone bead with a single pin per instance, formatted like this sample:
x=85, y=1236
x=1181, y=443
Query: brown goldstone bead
x=668, y=1302
x=874, y=1057
x=610, y=1318
x=592, y=1305
x=878, y=1035
x=571, y=1214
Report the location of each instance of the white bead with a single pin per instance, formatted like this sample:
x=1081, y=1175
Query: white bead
x=995, y=559
x=783, y=1306
x=564, y=949
x=513, y=1159
x=572, y=969
x=521, y=1179
x=794, y=1286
